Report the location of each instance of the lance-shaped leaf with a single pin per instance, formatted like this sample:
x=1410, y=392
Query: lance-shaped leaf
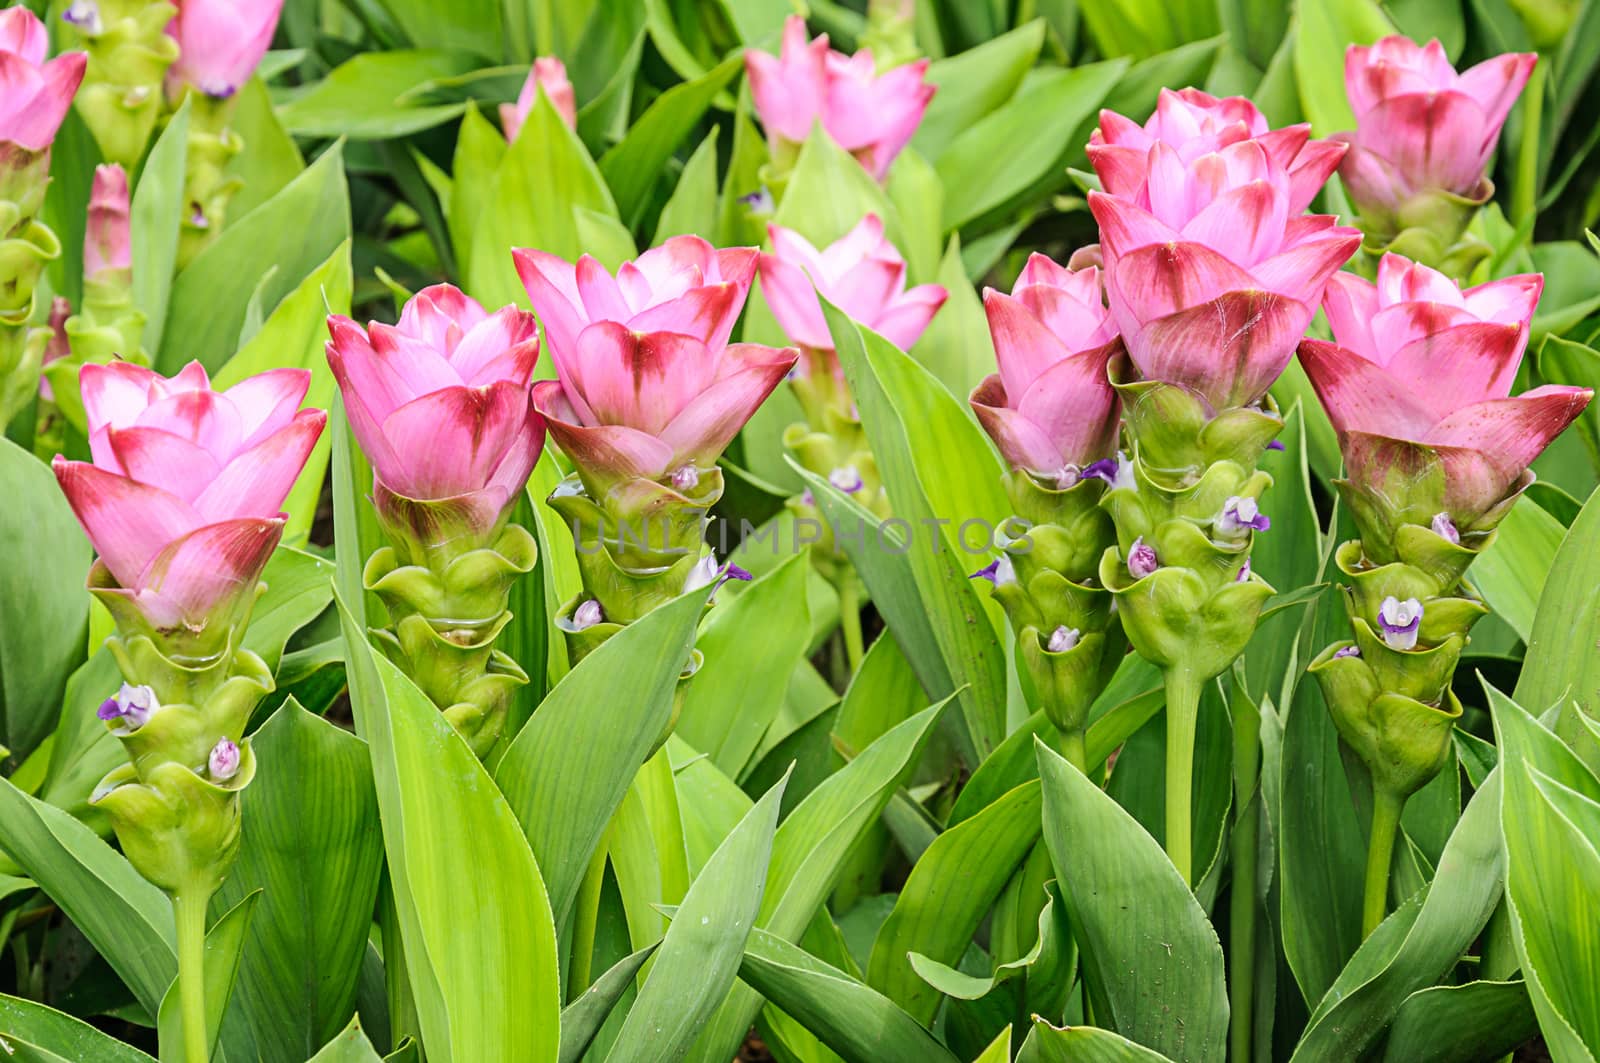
x=451, y=837
x=699, y=957
x=853, y=1019
x=35, y=1033
x=1147, y=947
x=570, y=766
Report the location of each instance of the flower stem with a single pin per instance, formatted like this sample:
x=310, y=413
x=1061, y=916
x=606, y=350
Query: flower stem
x=189, y=909
x=1525, y=192
x=1242, y=895
x=1380, y=852
x=1073, y=749
x=1183, y=711
x=586, y=916
x=850, y=621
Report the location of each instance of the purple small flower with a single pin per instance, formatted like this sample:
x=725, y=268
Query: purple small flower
x=1276, y=444
x=760, y=201
x=686, y=477
x=1399, y=622
x=1142, y=559
x=1240, y=515
x=706, y=571
x=1244, y=572
x=999, y=572
x=587, y=615
x=132, y=705
x=1117, y=472
x=846, y=478
x=1351, y=650
x=84, y=14
x=1445, y=528
x=1062, y=639
x=223, y=764
x=807, y=498
x=1067, y=476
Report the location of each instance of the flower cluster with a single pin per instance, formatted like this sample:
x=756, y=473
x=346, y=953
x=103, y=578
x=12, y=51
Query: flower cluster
x=441, y=405
x=1417, y=169
x=649, y=391
x=870, y=115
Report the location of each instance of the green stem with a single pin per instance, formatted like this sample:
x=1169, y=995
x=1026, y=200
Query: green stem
x=1074, y=750
x=1242, y=896
x=1183, y=711
x=189, y=909
x=1525, y=194
x=403, y=1018
x=850, y=621
x=586, y=916
x=1380, y=852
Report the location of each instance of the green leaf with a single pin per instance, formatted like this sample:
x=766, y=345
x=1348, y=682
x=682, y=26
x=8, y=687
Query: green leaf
x=480, y=149
x=311, y=845
x=852, y=1019
x=33, y=1033
x=81, y=749
x=1130, y=699
x=633, y=166
x=699, y=957
x=581, y=1019
x=957, y=347
x=1551, y=816
x=295, y=336
x=1147, y=947
x=974, y=83
x=693, y=207
x=221, y=965
x=1322, y=841
x=1081, y=1044
x=271, y=159
x=1384, y=972
x=808, y=853
x=350, y=1046
x=127, y=920
x=739, y=689
x=43, y=606
x=1324, y=28
x=1560, y=662
x=299, y=588
x=1473, y=1023
x=371, y=96
x=1510, y=574
x=570, y=766
x=450, y=836
x=155, y=215
x=464, y=25
x=294, y=232
x=1024, y=143
x=942, y=477
x=930, y=917
x=544, y=179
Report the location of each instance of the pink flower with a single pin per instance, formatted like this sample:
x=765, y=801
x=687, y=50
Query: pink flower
x=873, y=117
x=440, y=402
x=549, y=74
x=183, y=498
x=1050, y=409
x=1418, y=363
x=34, y=94
x=1213, y=273
x=220, y=43
x=1420, y=126
x=107, y=242
x=861, y=273
x=1195, y=124
x=685, y=286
